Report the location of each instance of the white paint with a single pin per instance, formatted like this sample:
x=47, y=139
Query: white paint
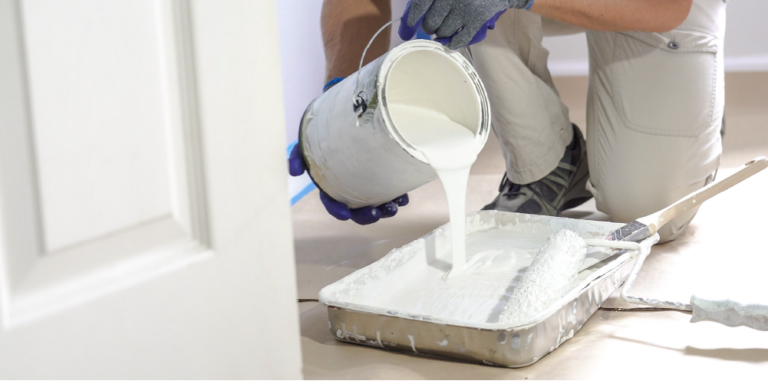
x=357, y=336
x=450, y=149
x=408, y=282
x=444, y=125
x=498, y=278
x=516, y=341
x=344, y=331
x=413, y=343
x=496, y=261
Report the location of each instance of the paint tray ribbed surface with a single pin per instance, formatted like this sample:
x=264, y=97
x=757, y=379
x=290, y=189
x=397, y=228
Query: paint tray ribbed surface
x=401, y=302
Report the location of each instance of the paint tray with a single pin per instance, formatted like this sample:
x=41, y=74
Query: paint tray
x=356, y=313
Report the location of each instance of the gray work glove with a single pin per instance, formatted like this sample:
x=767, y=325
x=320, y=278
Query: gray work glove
x=455, y=23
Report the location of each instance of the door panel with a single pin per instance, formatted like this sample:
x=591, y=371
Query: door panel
x=107, y=157
x=144, y=225
x=97, y=87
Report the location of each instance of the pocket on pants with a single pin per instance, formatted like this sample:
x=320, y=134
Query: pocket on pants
x=666, y=83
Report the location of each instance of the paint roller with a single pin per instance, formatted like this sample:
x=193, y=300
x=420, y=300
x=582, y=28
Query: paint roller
x=563, y=256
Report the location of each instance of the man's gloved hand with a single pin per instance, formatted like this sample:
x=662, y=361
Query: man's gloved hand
x=455, y=23
x=362, y=216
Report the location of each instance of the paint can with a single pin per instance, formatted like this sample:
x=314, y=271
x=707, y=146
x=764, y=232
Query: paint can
x=349, y=137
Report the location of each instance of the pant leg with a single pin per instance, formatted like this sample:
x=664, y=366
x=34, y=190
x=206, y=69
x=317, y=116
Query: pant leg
x=529, y=119
x=654, y=112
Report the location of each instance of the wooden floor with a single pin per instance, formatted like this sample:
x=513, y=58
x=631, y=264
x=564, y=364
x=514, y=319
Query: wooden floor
x=722, y=248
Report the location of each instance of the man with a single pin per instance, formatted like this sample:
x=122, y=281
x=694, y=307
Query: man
x=654, y=106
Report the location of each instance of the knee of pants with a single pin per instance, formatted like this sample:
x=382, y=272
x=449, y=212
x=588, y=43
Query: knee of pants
x=628, y=200
x=677, y=226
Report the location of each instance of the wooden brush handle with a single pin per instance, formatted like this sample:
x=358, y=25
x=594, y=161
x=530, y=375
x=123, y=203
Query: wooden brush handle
x=657, y=220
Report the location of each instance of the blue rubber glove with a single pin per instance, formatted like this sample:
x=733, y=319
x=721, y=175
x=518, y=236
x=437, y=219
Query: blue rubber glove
x=455, y=23
x=364, y=215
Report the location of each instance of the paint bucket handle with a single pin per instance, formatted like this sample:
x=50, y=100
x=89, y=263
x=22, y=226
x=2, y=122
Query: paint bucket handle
x=359, y=98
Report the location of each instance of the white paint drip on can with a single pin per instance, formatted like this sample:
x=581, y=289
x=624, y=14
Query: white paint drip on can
x=413, y=343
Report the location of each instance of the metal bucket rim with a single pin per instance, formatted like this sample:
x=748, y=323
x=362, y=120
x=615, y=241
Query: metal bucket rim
x=467, y=70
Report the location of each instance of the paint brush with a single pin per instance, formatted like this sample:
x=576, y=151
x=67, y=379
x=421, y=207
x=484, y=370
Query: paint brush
x=647, y=226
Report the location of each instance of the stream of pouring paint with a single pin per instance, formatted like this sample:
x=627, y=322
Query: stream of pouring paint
x=451, y=150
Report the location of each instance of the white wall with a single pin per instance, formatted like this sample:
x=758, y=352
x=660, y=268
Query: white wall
x=303, y=69
x=746, y=36
x=303, y=60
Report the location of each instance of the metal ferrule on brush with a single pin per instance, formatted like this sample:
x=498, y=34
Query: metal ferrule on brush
x=634, y=231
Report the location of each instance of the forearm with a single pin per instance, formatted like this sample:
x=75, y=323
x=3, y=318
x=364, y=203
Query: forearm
x=347, y=26
x=617, y=15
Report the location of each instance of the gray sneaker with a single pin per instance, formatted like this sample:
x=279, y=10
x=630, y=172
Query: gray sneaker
x=561, y=189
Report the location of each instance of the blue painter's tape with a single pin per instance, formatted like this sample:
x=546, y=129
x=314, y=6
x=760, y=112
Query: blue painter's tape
x=309, y=188
x=333, y=82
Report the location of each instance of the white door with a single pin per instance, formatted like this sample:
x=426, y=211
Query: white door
x=144, y=223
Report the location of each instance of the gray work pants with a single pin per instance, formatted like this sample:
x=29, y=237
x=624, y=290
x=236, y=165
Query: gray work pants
x=654, y=108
